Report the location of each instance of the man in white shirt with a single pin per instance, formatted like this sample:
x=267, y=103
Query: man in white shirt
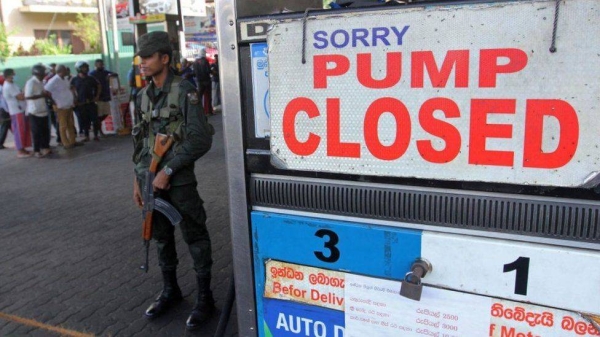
x=59, y=87
x=35, y=97
x=19, y=124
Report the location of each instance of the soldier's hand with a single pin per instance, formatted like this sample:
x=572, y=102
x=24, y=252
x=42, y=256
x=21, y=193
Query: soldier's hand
x=137, y=195
x=161, y=181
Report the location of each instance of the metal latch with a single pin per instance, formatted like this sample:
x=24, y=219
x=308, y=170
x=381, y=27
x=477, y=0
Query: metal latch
x=411, y=285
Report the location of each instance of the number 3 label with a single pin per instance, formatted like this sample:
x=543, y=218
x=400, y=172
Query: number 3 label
x=332, y=239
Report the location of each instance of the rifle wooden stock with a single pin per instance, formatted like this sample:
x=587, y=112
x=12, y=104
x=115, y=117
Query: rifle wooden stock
x=147, y=227
x=162, y=144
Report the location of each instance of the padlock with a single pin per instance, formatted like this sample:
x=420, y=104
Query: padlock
x=411, y=287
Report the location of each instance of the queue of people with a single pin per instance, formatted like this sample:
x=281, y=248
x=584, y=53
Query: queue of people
x=204, y=76
x=49, y=98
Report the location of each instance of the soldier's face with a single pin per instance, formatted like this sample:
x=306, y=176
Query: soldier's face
x=154, y=64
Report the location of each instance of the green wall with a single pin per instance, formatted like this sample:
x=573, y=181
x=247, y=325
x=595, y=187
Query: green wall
x=22, y=64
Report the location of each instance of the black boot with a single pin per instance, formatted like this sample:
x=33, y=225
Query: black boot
x=205, y=304
x=170, y=295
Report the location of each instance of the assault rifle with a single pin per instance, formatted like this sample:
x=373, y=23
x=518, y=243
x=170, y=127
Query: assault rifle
x=162, y=144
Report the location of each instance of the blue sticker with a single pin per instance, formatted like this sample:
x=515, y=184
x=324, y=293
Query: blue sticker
x=360, y=248
x=289, y=319
x=378, y=251
x=259, y=53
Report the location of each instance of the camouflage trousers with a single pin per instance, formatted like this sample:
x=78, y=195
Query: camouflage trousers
x=193, y=229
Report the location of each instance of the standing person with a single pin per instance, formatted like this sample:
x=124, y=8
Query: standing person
x=60, y=89
x=87, y=90
x=132, y=82
x=133, y=92
x=50, y=73
x=51, y=112
x=102, y=76
x=202, y=70
x=216, y=88
x=76, y=112
x=35, y=97
x=4, y=116
x=19, y=124
x=187, y=73
x=69, y=76
x=175, y=180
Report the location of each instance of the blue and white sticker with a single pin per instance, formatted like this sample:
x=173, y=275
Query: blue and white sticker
x=260, y=88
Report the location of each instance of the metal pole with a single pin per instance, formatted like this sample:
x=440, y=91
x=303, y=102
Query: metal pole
x=115, y=32
x=181, y=32
x=102, y=14
x=50, y=27
x=224, y=318
x=119, y=123
x=234, y=145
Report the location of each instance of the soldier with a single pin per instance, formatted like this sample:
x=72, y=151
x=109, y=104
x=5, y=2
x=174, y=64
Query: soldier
x=170, y=105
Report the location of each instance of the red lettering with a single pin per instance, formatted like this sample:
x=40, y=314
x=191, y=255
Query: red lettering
x=392, y=76
x=289, y=126
x=403, y=128
x=504, y=332
x=489, y=67
x=314, y=295
x=439, y=128
x=439, y=77
x=335, y=147
x=322, y=71
x=534, y=128
x=480, y=130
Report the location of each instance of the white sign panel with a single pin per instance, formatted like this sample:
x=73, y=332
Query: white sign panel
x=557, y=277
x=123, y=25
x=374, y=308
x=193, y=7
x=158, y=7
x=260, y=88
x=466, y=92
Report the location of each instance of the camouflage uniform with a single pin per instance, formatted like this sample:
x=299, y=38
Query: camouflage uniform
x=174, y=109
x=196, y=140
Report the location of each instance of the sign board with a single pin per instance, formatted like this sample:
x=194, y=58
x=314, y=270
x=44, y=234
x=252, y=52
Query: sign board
x=193, y=7
x=515, y=270
x=348, y=277
x=147, y=18
x=201, y=29
x=254, y=30
x=124, y=25
x=449, y=92
x=158, y=7
x=260, y=89
x=309, y=285
x=305, y=301
x=375, y=309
